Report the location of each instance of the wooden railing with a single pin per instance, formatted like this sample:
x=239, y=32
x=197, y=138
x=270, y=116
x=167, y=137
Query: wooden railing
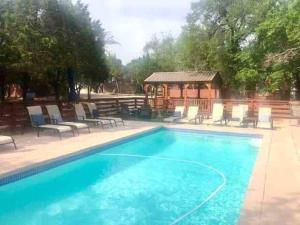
x=13, y=115
x=280, y=109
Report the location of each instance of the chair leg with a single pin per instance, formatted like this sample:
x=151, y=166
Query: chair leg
x=38, y=132
x=59, y=134
x=115, y=123
x=89, y=130
x=14, y=143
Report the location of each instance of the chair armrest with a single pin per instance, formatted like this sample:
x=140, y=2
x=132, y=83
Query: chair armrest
x=80, y=117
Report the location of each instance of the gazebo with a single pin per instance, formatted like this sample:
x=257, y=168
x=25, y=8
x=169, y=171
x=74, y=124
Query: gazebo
x=183, y=85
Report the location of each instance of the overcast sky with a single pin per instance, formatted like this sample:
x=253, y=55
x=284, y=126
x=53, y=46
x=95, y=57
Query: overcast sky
x=134, y=22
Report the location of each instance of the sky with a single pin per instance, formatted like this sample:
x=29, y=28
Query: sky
x=134, y=22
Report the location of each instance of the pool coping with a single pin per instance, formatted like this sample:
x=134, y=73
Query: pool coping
x=256, y=180
x=271, y=198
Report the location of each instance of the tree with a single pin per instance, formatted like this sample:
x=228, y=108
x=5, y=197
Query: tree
x=52, y=42
x=6, y=50
x=216, y=32
x=159, y=55
x=278, y=39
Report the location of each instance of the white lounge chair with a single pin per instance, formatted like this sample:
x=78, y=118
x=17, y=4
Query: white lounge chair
x=265, y=118
x=177, y=115
x=238, y=115
x=56, y=118
x=217, y=115
x=38, y=121
x=7, y=140
x=81, y=116
x=192, y=115
x=96, y=115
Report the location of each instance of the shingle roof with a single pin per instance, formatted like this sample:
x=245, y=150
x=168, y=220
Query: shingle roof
x=201, y=76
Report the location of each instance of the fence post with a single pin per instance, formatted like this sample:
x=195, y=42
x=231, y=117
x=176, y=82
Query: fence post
x=135, y=103
x=117, y=106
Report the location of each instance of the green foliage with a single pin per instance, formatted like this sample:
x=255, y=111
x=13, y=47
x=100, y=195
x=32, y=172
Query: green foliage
x=41, y=40
x=115, y=66
x=253, y=44
x=248, y=78
x=279, y=44
x=159, y=55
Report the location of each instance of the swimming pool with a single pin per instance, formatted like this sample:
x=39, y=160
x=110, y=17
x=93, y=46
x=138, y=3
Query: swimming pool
x=162, y=177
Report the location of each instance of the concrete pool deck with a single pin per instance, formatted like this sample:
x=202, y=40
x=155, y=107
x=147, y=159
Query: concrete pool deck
x=273, y=195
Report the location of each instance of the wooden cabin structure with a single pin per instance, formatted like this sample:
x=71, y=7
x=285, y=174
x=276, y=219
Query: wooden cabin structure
x=185, y=85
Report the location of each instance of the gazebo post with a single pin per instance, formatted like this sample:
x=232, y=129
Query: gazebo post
x=146, y=86
x=165, y=96
x=181, y=90
x=209, y=95
x=185, y=95
x=199, y=86
x=155, y=96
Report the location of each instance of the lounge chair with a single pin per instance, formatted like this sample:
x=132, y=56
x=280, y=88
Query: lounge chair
x=238, y=115
x=81, y=116
x=7, y=140
x=56, y=118
x=295, y=110
x=217, y=115
x=96, y=115
x=265, y=118
x=38, y=121
x=177, y=115
x=192, y=115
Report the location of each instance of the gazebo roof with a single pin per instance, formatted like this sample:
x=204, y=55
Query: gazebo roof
x=180, y=77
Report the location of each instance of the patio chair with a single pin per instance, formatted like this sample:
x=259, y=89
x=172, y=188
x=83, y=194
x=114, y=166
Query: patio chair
x=81, y=116
x=38, y=121
x=56, y=118
x=7, y=140
x=177, y=115
x=96, y=115
x=238, y=115
x=145, y=112
x=125, y=112
x=265, y=119
x=192, y=115
x=217, y=115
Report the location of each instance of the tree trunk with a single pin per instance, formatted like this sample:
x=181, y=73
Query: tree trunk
x=117, y=87
x=56, y=85
x=71, y=83
x=89, y=92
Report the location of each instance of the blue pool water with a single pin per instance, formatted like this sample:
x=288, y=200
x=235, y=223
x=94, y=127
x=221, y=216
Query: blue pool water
x=161, y=178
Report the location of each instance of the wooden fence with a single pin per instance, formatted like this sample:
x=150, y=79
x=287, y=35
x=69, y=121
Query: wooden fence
x=13, y=115
x=280, y=109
